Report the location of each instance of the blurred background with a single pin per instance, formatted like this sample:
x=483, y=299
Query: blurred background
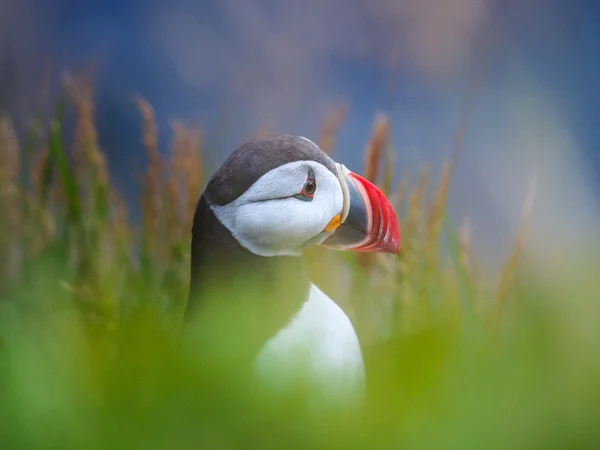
x=94, y=263
x=234, y=67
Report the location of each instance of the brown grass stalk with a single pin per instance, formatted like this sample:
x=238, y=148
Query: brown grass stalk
x=377, y=143
x=10, y=162
x=435, y=213
x=388, y=174
x=10, y=210
x=151, y=204
x=408, y=262
x=263, y=131
x=510, y=266
x=177, y=169
x=89, y=159
x=122, y=230
x=190, y=170
x=398, y=197
x=330, y=127
x=415, y=208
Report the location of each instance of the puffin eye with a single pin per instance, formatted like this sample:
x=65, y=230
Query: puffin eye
x=309, y=188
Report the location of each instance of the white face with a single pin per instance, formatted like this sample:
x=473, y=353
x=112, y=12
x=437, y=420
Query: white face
x=271, y=218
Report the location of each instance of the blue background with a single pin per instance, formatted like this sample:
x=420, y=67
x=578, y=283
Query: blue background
x=233, y=66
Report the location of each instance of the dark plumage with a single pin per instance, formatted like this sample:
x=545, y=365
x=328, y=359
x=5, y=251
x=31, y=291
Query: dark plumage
x=266, y=292
x=253, y=159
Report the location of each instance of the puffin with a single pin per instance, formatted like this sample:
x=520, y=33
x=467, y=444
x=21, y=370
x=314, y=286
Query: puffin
x=249, y=293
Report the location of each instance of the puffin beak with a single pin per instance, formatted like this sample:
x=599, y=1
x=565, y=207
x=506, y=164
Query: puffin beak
x=368, y=222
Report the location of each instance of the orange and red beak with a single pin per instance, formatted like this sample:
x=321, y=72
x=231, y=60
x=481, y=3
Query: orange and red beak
x=370, y=223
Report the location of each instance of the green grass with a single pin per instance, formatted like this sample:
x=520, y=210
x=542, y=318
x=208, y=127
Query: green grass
x=92, y=355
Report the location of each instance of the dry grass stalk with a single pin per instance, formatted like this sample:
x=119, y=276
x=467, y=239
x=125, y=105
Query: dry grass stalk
x=172, y=219
x=10, y=167
x=177, y=169
x=397, y=198
x=10, y=163
x=196, y=172
x=185, y=175
x=10, y=210
x=39, y=226
x=375, y=147
x=151, y=204
x=37, y=171
x=435, y=214
x=263, y=131
x=149, y=129
x=93, y=180
x=195, y=168
x=388, y=174
x=415, y=207
x=122, y=231
x=510, y=266
x=330, y=127
x=89, y=159
x=407, y=265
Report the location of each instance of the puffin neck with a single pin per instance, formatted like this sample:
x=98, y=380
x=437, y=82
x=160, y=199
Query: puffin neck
x=260, y=293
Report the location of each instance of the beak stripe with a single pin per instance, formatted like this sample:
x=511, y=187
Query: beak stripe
x=341, y=171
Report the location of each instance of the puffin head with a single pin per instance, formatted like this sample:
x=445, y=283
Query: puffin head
x=281, y=194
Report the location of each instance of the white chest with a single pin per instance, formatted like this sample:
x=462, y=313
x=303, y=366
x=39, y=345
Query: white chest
x=318, y=345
